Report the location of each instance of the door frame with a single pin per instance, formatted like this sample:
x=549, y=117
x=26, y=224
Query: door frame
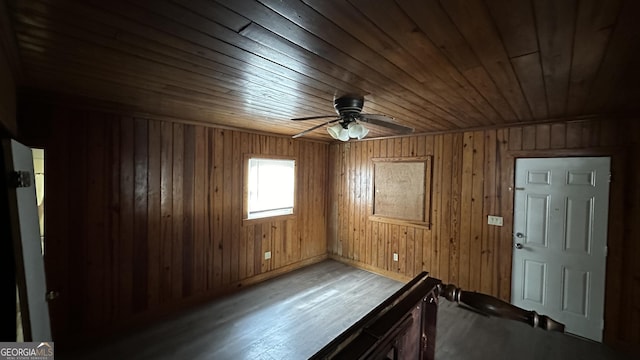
x=615, y=227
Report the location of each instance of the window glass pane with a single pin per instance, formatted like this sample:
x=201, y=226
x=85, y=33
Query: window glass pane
x=271, y=183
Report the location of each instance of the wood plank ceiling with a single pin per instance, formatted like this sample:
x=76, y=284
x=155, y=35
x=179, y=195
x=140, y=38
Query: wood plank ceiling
x=254, y=64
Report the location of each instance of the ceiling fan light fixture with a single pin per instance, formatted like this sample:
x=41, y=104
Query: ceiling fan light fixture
x=338, y=132
x=350, y=118
x=357, y=131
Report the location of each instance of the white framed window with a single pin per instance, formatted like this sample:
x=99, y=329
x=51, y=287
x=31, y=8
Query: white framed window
x=270, y=187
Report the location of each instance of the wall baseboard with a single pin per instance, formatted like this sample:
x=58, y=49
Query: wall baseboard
x=75, y=342
x=369, y=268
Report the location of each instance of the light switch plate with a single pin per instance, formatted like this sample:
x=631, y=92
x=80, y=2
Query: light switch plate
x=494, y=220
x=395, y=256
x=267, y=255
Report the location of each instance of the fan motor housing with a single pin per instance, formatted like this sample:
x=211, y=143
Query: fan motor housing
x=348, y=105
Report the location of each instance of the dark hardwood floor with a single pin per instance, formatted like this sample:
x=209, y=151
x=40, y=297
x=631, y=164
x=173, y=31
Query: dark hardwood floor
x=465, y=335
x=293, y=316
x=290, y=317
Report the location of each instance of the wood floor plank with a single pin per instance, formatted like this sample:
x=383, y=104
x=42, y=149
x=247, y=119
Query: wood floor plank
x=273, y=320
x=465, y=335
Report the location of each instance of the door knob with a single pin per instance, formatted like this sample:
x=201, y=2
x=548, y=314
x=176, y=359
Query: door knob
x=52, y=295
x=519, y=235
x=519, y=246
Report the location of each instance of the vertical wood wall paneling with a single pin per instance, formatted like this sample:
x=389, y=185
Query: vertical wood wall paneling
x=188, y=240
x=614, y=294
x=371, y=245
x=628, y=330
x=241, y=238
x=465, y=211
x=95, y=229
x=456, y=185
x=177, y=245
x=141, y=191
x=504, y=184
x=473, y=175
x=114, y=212
x=166, y=209
x=295, y=226
x=77, y=282
x=529, y=137
x=428, y=235
x=145, y=228
x=235, y=208
x=383, y=252
x=216, y=210
x=488, y=234
x=436, y=207
x=153, y=221
x=154, y=214
x=127, y=208
x=364, y=205
x=477, y=215
x=445, y=207
x=303, y=182
x=57, y=243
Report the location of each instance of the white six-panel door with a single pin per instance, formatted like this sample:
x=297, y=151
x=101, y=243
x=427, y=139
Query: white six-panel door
x=559, y=244
x=26, y=233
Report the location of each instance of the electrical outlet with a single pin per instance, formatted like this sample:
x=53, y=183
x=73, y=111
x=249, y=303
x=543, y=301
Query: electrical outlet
x=395, y=256
x=267, y=255
x=494, y=220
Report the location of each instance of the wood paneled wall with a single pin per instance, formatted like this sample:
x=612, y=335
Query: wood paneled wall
x=145, y=217
x=7, y=95
x=473, y=173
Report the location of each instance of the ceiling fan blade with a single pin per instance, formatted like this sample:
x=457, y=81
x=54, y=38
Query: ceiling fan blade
x=314, y=117
x=315, y=127
x=382, y=120
x=378, y=117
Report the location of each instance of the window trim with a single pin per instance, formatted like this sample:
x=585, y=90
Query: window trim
x=245, y=190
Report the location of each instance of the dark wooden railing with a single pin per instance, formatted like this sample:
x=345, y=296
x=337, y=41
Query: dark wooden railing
x=489, y=305
x=404, y=325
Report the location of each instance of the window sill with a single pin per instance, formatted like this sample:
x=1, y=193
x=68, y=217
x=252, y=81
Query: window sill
x=268, y=219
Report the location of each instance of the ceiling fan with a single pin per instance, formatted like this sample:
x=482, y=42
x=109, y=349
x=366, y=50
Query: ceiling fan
x=348, y=125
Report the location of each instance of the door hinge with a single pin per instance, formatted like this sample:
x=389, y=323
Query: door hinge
x=602, y=325
x=610, y=177
x=606, y=251
x=19, y=179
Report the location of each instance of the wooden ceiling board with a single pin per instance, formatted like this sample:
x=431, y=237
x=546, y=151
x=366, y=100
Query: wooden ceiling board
x=352, y=55
x=383, y=13
x=447, y=81
x=393, y=105
x=433, y=65
x=556, y=24
x=408, y=87
x=613, y=87
x=472, y=19
x=431, y=18
x=594, y=24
